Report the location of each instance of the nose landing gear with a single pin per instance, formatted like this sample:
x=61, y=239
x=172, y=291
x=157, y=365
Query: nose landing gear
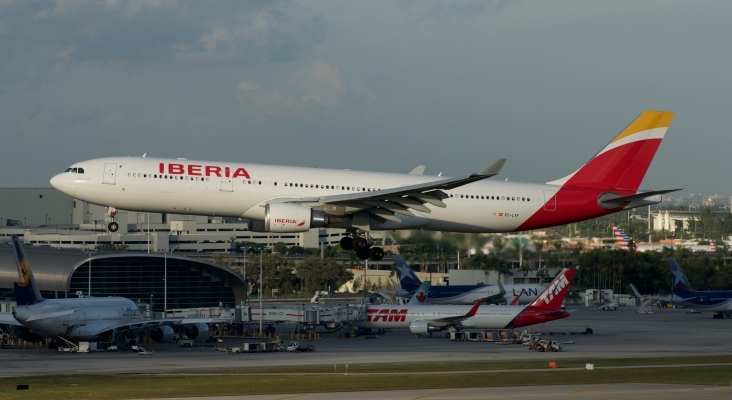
x=112, y=226
x=361, y=243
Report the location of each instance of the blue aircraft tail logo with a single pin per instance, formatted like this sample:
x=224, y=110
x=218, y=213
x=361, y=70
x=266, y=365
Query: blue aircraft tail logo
x=681, y=285
x=407, y=278
x=26, y=291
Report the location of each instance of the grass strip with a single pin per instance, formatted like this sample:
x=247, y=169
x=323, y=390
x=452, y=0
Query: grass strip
x=147, y=386
x=491, y=366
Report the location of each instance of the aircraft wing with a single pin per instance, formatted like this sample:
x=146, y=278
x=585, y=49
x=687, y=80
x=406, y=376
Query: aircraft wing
x=458, y=318
x=154, y=323
x=383, y=204
x=498, y=297
x=7, y=318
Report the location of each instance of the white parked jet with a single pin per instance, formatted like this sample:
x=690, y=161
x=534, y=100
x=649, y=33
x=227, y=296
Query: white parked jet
x=433, y=318
x=88, y=318
x=295, y=199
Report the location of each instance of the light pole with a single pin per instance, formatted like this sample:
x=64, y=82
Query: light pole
x=260, y=291
x=148, y=233
x=89, y=252
x=165, y=284
x=246, y=283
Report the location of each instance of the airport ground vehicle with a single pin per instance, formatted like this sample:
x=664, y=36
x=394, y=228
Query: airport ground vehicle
x=611, y=306
x=112, y=348
x=185, y=343
x=295, y=347
x=542, y=345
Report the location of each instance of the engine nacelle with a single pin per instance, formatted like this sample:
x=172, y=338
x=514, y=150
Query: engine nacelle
x=197, y=332
x=288, y=217
x=419, y=327
x=162, y=334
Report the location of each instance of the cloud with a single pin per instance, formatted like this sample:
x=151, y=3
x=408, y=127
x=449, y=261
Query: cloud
x=309, y=92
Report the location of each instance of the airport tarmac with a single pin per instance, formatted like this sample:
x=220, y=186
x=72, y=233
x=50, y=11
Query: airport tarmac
x=617, y=334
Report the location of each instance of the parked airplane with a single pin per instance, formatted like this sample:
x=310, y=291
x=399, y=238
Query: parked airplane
x=420, y=295
x=88, y=318
x=295, y=199
x=466, y=294
x=624, y=242
x=434, y=318
x=717, y=301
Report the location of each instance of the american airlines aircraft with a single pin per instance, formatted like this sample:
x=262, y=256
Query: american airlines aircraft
x=295, y=199
x=434, y=318
x=88, y=318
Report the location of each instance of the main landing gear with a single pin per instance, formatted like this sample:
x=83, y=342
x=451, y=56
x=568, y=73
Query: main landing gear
x=362, y=245
x=112, y=226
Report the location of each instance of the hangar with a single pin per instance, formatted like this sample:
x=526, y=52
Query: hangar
x=142, y=277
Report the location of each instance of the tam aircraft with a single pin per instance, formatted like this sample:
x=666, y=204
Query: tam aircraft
x=426, y=318
x=88, y=318
x=295, y=199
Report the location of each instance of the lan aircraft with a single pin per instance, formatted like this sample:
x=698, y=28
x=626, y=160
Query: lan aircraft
x=295, y=199
x=88, y=318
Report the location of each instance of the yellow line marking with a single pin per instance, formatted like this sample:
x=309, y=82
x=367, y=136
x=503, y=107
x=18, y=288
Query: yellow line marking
x=292, y=397
x=438, y=393
x=587, y=388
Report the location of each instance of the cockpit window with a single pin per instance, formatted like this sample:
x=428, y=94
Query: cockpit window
x=68, y=169
x=75, y=170
x=80, y=170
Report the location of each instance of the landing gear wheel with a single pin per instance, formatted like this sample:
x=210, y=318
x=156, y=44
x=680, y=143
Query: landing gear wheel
x=363, y=254
x=360, y=243
x=113, y=226
x=347, y=243
x=376, y=253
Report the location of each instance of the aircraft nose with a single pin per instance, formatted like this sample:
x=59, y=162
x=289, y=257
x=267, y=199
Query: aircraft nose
x=56, y=181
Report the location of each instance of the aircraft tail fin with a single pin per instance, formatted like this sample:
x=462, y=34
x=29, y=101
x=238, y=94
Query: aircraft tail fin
x=26, y=290
x=407, y=278
x=553, y=296
x=635, y=291
x=621, y=238
x=420, y=296
x=623, y=163
x=712, y=246
x=680, y=284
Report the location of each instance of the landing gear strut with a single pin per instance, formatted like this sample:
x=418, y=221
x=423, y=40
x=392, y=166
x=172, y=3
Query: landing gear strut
x=361, y=243
x=113, y=226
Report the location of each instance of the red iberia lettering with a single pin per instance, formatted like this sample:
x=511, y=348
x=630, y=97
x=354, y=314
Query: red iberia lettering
x=194, y=170
x=241, y=172
x=161, y=168
x=226, y=172
x=176, y=169
x=210, y=170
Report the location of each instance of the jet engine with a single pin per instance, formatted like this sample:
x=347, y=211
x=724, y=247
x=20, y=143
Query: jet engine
x=418, y=327
x=197, y=332
x=288, y=217
x=163, y=334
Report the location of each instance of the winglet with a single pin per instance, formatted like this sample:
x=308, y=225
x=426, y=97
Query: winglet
x=474, y=310
x=493, y=169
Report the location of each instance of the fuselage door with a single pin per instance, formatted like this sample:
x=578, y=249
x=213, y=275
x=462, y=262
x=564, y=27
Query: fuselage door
x=550, y=200
x=227, y=184
x=110, y=170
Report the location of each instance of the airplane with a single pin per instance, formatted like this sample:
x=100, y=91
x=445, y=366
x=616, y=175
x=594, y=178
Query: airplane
x=88, y=318
x=466, y=294
x=295, y=199
x=421, y=319
x=420, y=295
x=716, y=301
x=624, y=241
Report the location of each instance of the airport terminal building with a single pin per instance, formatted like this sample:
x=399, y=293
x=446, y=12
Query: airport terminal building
x=152, y=279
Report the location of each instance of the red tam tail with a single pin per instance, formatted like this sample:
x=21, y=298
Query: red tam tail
x=553, y=296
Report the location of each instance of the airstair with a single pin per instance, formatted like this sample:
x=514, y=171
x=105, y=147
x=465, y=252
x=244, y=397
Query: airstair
x=645, y=306
x=72, y=343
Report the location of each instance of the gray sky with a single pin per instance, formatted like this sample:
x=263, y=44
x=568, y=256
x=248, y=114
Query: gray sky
x=372, y=85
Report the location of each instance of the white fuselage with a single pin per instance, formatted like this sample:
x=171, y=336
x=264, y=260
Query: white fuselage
x=203, y=188
x=454, y=295
x=395, y=317
x=83, y=318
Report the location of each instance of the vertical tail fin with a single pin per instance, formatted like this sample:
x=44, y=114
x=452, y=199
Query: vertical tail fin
x=712, y=246
x=553, y=296
x=623, y=163
x=420, y=296
x=26, y=291
x=621, y=238
x=407, y=278
x=680, y=284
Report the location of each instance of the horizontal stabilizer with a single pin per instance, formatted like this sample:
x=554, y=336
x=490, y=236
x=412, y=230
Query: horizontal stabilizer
x=611, y=200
